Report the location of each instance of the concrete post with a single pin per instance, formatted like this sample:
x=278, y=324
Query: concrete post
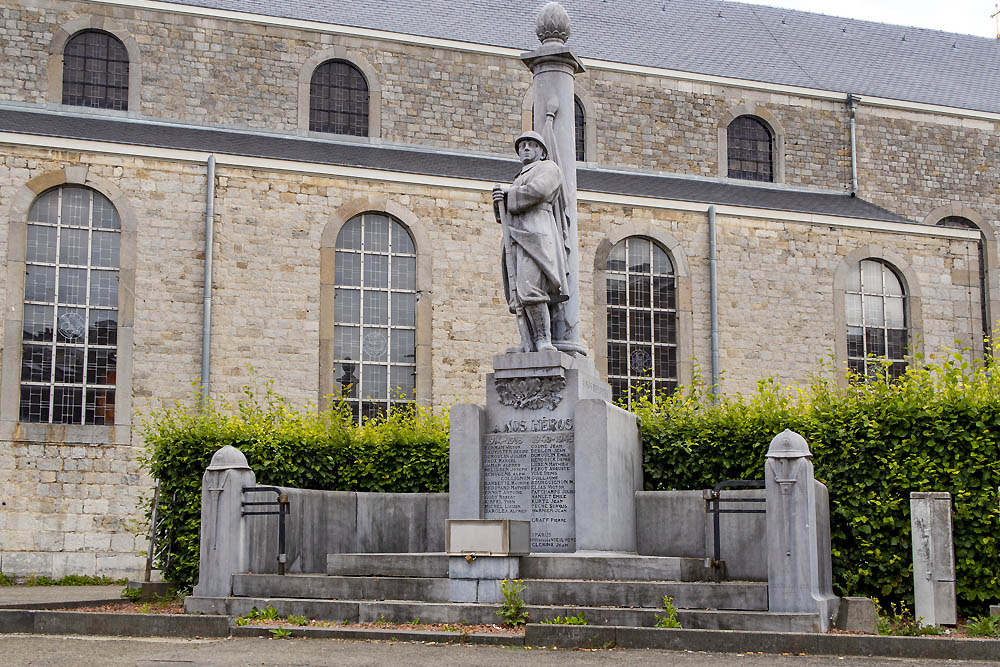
x=553, y=67
x=799, y=567
x=933, y=559
x=223, y=527
x=465, y=466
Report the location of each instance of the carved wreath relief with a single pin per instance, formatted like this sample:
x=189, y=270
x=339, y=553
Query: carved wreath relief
x=531, y=393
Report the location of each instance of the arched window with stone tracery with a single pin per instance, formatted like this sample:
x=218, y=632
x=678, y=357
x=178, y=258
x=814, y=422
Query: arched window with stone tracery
x=70, y=326
x=338, y=99
x=878, y=327
x=375, y=305
x=641, y=320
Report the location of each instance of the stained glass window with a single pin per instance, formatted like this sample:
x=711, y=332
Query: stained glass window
x=750, y=147
x=338, y=99
x=877, y=325
x=95, y=71
x=69, y=343
x=642, y=320
x=375, y=307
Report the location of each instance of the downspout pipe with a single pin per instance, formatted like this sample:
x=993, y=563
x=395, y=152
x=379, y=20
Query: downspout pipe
x=713, y=287
x=206, y=318
x=852, y=101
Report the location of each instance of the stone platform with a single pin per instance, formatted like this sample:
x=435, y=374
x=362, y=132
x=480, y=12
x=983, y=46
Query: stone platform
x=610, y=589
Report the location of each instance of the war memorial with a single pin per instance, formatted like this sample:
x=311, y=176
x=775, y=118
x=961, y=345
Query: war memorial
x=545, y=480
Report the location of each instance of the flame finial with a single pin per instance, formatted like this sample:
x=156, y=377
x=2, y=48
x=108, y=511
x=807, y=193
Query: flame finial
x=553, y=23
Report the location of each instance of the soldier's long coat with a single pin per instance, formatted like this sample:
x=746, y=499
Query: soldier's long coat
x=538, y=236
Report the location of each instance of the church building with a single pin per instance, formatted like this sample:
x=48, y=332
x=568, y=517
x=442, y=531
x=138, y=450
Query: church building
x=230, y=191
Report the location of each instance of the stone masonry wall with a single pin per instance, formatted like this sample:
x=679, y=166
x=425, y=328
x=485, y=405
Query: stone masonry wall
x=69, y=506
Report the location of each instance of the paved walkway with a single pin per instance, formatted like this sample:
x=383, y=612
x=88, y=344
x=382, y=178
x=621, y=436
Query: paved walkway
x=19, y=650
x=54, y=595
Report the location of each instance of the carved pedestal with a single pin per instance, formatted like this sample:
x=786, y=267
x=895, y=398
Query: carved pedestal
x=550, y=449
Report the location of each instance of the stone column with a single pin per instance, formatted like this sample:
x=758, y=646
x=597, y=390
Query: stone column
x=223, y=528
x=799, y=567
x=553, y=67
x=933, y=559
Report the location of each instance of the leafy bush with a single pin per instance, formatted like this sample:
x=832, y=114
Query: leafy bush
x=512, y=609
x=935, y=429
x=404, y=451
x=669, y=619
x=983, y=626
x=579, y=619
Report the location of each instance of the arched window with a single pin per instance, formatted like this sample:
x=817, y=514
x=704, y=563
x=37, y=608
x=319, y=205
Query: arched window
x=959, y=222
x=69, y=350
x=877, y=320
x=580, y=126
x=375, y=305
x=750, y=144
x=642, y=319
x=95, y=71
x=338, y=99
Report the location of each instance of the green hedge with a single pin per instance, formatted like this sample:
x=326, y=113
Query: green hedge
x=937, y=429
x=407, y=451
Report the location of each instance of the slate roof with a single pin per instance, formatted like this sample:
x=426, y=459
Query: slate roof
x=731, y=39
x=427, y=162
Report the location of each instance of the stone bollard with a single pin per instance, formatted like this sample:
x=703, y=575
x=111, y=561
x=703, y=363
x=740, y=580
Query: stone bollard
x=799, y=562
x=933, y=558
x=223, y=527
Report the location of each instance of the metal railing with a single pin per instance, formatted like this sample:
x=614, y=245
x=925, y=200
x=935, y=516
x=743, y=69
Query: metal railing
x=712, y=507
x=160, y=547
x=282, y=512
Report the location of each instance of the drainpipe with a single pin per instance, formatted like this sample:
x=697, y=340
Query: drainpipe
x=206, y=318
x=713, y=288
x=852, y=100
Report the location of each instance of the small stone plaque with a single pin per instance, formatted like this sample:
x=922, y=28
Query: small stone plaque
x=530, y=477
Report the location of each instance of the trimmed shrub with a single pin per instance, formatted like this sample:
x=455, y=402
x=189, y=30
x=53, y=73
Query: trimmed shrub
x=935, y=429
x=404, y=451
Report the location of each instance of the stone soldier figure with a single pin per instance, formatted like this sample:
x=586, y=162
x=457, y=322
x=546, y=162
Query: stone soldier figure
x=533, y=214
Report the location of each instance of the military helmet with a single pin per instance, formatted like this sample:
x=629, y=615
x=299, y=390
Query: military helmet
x=531, y=134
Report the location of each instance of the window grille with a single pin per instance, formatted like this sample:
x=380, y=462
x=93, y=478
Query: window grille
x=338, y=99
x=95, y=71
x=750, y=147
x=877, y=325
x=375, y=306
x=642, y=320
x=70, y=337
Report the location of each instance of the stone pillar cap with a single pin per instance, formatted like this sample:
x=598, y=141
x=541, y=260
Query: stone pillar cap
x=788, y=445
x=228, y=458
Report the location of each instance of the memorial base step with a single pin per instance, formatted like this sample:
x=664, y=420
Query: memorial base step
x=535, y=566
x=371, y=611
x=750, y=596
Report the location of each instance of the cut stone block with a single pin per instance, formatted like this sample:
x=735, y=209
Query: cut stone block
x=497, y=537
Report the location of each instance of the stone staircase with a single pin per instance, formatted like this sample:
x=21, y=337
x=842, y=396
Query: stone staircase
x=611, y=589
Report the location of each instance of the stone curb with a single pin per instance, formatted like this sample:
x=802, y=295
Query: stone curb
x=740, y=641
x=62, y=605
x=40, y=622
x=382, y=634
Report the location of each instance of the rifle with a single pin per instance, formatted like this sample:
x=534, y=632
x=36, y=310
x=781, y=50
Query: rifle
x=510, y=274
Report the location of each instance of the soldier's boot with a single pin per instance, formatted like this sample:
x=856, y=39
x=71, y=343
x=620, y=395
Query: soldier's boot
x=541, y=326
x=524, y=328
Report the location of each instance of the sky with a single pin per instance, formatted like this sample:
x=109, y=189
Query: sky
x=970, y=17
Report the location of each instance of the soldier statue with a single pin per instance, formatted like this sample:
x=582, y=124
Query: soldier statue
x=532, y=211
